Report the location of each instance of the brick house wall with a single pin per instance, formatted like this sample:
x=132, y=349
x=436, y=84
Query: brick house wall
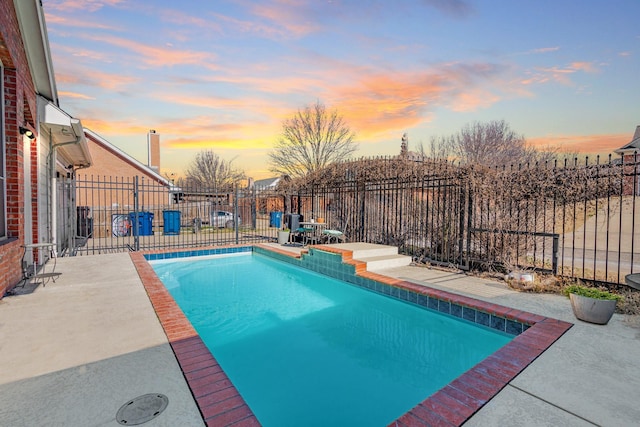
x=104, y=186
x=20, y=106
x=110, y=163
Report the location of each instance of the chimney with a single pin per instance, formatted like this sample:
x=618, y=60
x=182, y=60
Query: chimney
x=153, y=150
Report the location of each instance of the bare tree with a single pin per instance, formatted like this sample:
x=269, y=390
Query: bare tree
x=311, y=140
x=209, y=170
x=493, y=143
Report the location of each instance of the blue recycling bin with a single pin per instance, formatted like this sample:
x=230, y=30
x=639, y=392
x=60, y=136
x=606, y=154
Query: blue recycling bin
x=171, y=222
x=275, y=219
x=143, y=226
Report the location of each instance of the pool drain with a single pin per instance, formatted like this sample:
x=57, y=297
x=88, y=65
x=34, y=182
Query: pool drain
x=142, y=409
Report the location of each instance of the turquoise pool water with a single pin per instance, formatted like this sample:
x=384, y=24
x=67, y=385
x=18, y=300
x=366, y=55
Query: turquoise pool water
x=307, y=350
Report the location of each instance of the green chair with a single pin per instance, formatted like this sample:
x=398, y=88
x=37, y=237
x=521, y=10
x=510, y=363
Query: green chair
x=306, y=233
x=336, y=235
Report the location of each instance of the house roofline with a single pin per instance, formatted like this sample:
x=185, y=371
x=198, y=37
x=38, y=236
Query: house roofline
x=33, y=29
x=126, y=157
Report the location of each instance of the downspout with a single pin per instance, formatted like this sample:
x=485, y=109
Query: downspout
x=53, y=195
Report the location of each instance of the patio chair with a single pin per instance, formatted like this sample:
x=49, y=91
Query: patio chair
x=337, y=235
x=306, y=234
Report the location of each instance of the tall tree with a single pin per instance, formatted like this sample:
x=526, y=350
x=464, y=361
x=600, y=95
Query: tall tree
x=311, y=140
x=209, y=170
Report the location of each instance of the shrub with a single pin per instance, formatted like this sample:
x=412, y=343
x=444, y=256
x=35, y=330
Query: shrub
x=592, y=293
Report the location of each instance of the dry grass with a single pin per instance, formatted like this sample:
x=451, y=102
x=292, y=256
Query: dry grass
x=555, y=285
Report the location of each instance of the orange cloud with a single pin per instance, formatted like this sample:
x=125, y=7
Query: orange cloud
x=378, y=103
x=584, y=144
x=74, y=95
x=587, y=67
x=107, y=126
x=216, y=143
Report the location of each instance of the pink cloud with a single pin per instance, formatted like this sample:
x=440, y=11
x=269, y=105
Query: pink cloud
x=559, y=74
x=288, y=15
x=84, y=5
x=159, y=56
x=474, y=99
x=95, y=78
x=182, y=19
x=76, y=23
x=546, y=49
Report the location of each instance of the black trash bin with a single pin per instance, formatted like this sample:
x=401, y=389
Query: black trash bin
x=84, y=221
x=294, y=221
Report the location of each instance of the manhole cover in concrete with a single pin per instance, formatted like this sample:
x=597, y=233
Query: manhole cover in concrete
x=142, y=409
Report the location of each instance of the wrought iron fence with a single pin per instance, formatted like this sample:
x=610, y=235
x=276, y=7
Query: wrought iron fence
x=576, y=219
x=131, y=214
x=573, y=218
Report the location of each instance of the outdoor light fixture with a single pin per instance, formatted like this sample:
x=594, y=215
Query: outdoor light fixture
x=26, y=132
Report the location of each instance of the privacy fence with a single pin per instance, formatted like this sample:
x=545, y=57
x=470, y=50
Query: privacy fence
x=572, y=218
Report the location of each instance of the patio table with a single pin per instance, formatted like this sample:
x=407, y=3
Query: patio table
x=312, y=230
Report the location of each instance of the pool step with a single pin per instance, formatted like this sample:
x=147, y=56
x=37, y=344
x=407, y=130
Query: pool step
x=385, y=261
x=377, y=257
x=367, y=250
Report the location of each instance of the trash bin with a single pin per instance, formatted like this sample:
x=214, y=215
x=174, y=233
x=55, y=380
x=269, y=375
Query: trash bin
x=144, y=225
x=275, y=219
x=197, y=225
x=294, y=221
x=84, y=227
x=171, y=222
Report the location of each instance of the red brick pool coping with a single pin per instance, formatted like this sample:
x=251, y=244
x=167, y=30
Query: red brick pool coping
x=221, y=405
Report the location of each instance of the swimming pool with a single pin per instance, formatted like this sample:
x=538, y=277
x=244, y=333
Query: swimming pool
x=305, y=349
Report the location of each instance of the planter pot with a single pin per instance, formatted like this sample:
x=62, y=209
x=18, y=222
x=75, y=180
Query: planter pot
x=592, y=310
x=283, y=237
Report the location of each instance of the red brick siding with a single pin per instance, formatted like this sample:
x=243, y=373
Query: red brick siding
x=20, y=102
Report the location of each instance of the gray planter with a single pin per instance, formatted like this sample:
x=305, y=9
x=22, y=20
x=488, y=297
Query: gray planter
x=592, y=310
x=283, y=237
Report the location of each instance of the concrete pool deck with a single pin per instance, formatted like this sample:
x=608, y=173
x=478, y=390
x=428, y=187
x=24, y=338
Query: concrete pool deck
x=73, y=352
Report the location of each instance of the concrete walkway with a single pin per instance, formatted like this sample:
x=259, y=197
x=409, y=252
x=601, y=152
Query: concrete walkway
x=590, y=376
x=73, y=352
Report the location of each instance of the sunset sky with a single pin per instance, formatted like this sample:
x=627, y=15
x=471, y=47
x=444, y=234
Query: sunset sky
x=222, y=75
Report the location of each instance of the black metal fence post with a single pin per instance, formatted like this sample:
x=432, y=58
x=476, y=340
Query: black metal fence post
x=136, y=219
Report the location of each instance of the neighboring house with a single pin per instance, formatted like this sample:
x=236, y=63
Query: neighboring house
x=265, y=184
x=39, y=143
x=630, y=153
x=106, y=188
x=267, y=198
